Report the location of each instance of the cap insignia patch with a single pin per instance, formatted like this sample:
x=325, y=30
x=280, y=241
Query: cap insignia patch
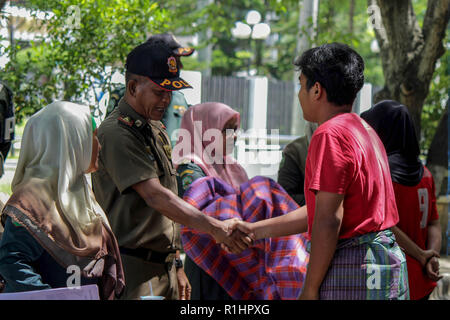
x=172, y=63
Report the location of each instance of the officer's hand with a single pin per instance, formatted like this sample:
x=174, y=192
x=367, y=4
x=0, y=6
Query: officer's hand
x=234, y=241
x=241, y=242
x=184, y=287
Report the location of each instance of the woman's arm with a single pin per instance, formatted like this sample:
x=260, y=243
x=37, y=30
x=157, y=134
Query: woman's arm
x=434, y=243
x=18, y=251
x=187, y=174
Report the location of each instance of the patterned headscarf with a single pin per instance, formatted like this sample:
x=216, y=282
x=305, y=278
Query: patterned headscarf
x=194, y=142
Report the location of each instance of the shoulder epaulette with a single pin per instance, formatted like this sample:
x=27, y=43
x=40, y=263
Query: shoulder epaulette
x=126, y=120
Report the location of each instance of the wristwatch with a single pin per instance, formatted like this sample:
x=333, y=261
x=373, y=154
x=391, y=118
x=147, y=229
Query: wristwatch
x=178, y=263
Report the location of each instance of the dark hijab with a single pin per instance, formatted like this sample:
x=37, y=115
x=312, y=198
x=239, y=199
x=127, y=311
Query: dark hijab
x=393, y=123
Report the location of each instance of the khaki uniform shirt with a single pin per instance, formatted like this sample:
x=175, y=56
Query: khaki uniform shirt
x=134, y=150
x=291, y=174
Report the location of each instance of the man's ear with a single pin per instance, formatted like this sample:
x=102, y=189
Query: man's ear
x=317, y=90
x=131, y=87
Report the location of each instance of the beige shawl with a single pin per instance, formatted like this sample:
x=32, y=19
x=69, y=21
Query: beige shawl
x=52, y=199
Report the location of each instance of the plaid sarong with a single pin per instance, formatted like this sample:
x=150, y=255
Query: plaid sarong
x=368, y=267
x=272, y=268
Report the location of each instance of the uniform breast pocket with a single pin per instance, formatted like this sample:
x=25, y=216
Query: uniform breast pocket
x=159, y=168
x=169, y=168
x=159, y=171
x=173, y=171
x=156, y=161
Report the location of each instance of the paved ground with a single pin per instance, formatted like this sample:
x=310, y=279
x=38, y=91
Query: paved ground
x=442, y=291
x=444, y=263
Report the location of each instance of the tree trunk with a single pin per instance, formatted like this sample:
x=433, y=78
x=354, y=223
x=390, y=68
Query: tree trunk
x=205, y=53
x=409, y=53
x=309, y=10
x=351, y=16
x=330, y=16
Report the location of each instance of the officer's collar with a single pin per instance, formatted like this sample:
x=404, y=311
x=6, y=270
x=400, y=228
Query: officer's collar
x=129, y=116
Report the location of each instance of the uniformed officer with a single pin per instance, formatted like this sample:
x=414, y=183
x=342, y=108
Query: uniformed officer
x=136, y=181
x=178, y=105
x=291, y=174
x=116, y=94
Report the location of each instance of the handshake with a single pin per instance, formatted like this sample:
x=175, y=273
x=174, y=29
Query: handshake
x=234, y=235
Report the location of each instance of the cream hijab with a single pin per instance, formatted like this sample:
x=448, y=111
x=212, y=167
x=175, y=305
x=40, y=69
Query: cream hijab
x=56, y=151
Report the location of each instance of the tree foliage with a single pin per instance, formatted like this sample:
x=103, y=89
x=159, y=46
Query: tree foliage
x=86, y=42
x=77, y=56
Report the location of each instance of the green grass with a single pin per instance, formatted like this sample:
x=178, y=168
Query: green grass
x=20, y=127
x=18, y=132
x=5, y=187
x=5, y=184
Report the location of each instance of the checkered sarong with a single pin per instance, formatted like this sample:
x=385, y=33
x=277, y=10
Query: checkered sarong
x=272, y=268
x=368, y=267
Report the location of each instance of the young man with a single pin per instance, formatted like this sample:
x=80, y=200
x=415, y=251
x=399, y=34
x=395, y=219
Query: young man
x=350, y=202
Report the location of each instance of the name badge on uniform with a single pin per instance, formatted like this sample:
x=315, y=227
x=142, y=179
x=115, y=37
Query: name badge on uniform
x=168, y=150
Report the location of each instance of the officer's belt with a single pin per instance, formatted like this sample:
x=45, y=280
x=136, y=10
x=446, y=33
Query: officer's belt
x=148, y=255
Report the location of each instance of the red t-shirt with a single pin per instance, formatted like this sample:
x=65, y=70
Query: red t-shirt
x=346, y=156
x=416, y=208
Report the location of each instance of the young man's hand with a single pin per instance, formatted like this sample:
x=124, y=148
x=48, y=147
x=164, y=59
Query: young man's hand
x=245, y=227
x=235, y=242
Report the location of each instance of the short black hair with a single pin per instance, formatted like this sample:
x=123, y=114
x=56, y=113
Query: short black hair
x=131, y=76
x=337, y=67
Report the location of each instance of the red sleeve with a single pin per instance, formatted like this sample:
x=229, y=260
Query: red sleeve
x=434, y=212
x=331, y=164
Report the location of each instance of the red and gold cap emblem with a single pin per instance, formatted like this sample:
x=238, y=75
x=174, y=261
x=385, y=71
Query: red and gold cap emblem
x=172, y=63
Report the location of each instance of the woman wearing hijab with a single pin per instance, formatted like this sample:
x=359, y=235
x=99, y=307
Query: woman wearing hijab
x=211, y=180
x=198, y=164
x=53, y=225
x=419, y=231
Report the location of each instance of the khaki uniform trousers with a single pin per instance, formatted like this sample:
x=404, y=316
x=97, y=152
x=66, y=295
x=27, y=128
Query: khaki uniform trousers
x=138, y=274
